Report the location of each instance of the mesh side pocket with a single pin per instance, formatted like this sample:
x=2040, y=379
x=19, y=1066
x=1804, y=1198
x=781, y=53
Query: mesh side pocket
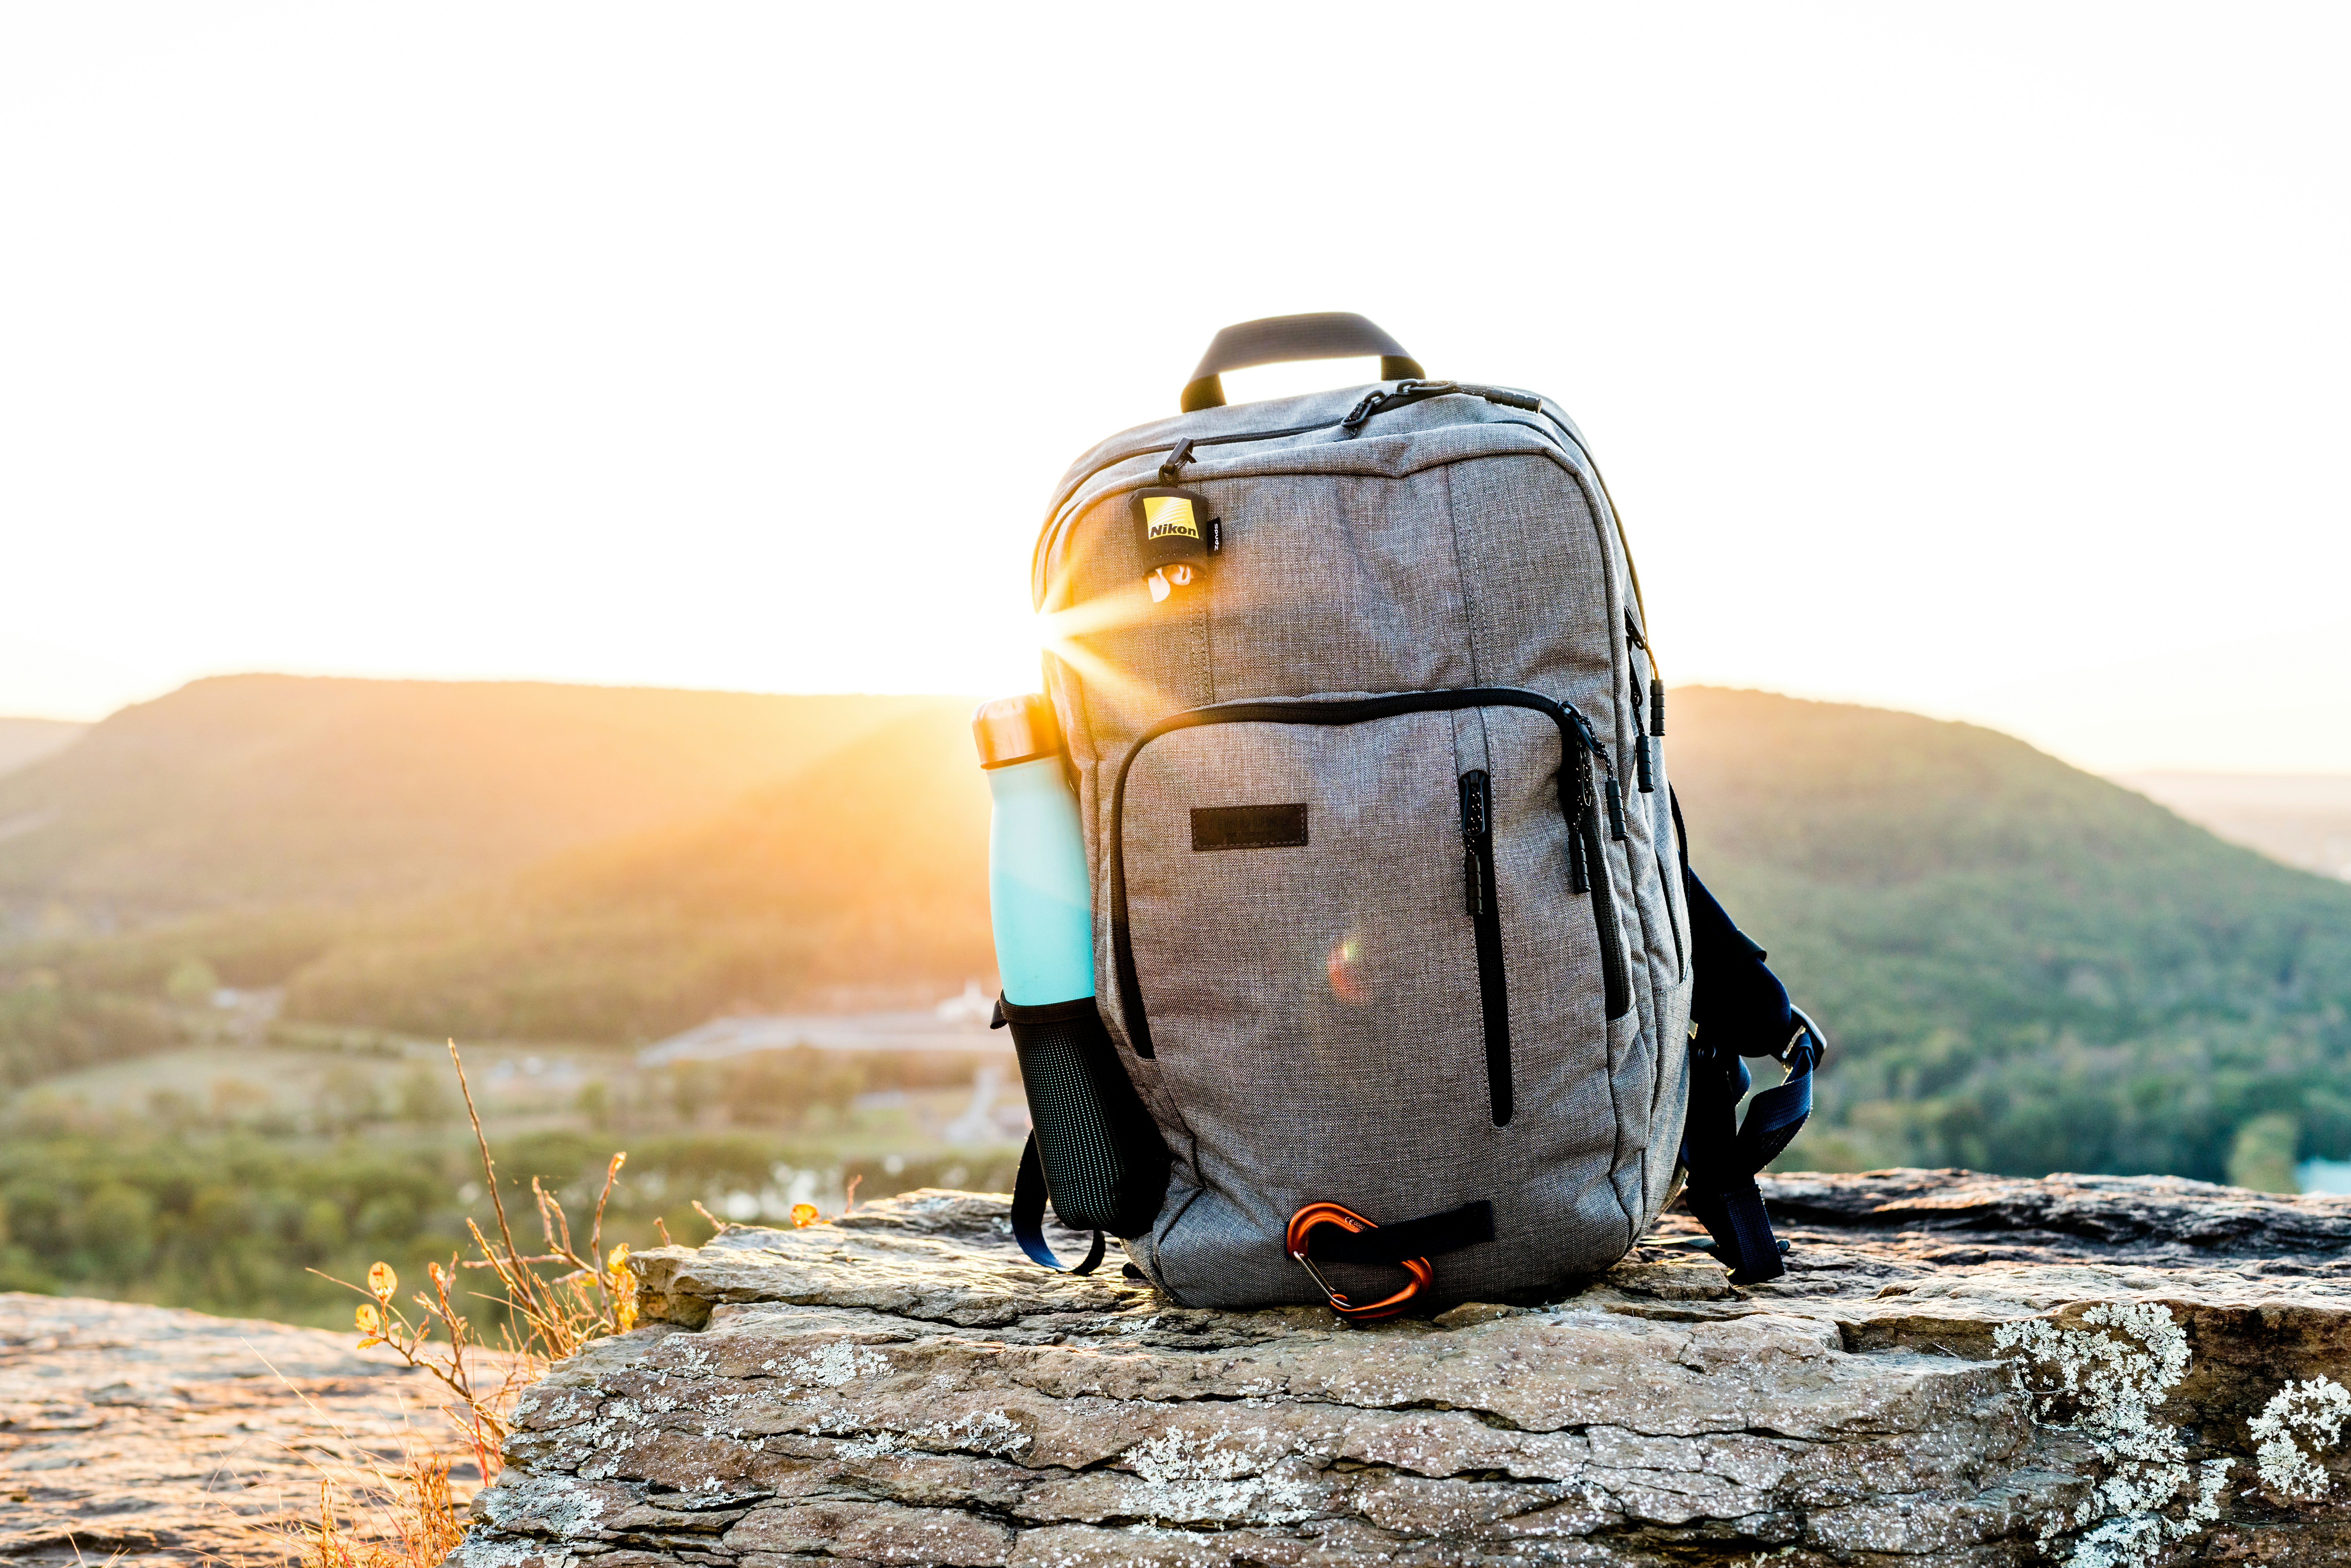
x=1105, y=1166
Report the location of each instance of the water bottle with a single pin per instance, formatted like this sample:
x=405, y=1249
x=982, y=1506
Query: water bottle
x=1093, y=1148
x=1039, y=901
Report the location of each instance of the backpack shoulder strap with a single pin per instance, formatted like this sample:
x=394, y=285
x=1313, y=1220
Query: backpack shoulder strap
x=1724, y=1155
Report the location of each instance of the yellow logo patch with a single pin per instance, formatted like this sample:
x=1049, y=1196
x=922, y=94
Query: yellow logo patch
x=1166, y=515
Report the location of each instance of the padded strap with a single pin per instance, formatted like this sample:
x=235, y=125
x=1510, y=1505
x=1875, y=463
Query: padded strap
x=1424, y=1238
x=1278, y=339
x=1028, y=1217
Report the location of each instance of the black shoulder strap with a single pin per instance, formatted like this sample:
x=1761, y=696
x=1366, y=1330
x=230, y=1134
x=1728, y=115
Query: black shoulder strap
x=1723, y=1155
x=1028, y=1216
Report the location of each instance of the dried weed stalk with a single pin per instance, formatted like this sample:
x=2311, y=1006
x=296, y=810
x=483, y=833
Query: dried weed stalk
x=549, y=1316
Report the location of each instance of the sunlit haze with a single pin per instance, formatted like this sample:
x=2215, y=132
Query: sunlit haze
x=1986, y=362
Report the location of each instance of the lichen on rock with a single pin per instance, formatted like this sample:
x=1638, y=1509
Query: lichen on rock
x=2106, y=1380
x=2316, y=1409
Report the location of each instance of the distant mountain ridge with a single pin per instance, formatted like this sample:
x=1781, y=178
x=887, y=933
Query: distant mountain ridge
x=25, y=741
x=251, y=791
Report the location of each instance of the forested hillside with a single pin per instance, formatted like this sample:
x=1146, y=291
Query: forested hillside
x=257, y=789
x=867, y=871
x=2025, y=967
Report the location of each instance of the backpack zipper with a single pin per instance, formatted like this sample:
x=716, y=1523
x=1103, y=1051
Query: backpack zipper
x=1352, y=421
x=1485, y=912
x=1578, y=746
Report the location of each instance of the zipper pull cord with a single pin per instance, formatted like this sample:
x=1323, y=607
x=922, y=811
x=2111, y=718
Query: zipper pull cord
x=1175, y=461
x=1613, y=795
x=1657, y=681
x=1641, y=767
x=1415, y=391
x=1525, y=402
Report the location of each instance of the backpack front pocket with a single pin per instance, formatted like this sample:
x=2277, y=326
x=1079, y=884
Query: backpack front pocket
x=1364, y=938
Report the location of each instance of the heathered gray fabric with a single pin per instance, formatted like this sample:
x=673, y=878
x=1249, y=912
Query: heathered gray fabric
x=1315, y=1010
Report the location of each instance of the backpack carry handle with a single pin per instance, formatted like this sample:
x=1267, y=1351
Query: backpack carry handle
x=1278, y=339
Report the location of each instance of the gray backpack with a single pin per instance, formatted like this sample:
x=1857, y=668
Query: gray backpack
x=1393, y=942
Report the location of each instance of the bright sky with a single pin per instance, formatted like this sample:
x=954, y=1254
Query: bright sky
x=1985, y=360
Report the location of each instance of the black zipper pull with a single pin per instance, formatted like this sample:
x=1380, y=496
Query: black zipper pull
x=1615, y=809
x=1504, y=396
x=1175, y=461
x=1591, y=743
x=1476, y=837
x=1641, y=742
x=1369, y=406
x=1657, y=684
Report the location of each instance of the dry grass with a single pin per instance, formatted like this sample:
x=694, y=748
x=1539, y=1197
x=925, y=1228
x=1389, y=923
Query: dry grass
x=408, y=1519
x=556, y=1300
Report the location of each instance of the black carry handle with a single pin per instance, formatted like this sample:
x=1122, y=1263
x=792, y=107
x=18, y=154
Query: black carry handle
x=1278, y=340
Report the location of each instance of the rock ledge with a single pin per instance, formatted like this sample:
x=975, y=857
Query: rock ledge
x=1957, y=1369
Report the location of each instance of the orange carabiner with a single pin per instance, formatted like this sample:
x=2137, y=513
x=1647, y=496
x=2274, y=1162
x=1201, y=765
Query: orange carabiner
x=1421, y=1275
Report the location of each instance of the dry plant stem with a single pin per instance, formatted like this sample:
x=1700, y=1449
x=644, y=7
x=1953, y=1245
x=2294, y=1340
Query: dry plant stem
x=517, y=1282
x=406, y=1340
x=483, y=1432
x=715, y=1223
x=595, y=1229
x=490, y=1175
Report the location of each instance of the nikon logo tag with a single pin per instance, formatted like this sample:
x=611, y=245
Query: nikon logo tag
x=1166, y=517
x=1179, y=533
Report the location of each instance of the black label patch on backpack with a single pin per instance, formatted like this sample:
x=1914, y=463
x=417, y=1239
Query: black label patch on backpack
x=1177, y=534
x=1249, y=827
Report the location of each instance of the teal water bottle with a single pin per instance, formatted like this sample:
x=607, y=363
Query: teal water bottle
x=1092, y=1148
x=1039, y=901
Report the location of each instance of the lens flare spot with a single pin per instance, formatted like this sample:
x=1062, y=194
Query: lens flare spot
x=1345, y=967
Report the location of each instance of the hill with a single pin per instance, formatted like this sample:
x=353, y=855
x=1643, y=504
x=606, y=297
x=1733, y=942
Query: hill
x=2025, y=969
x=867, y=870
x=24, y=741
x=250, y=791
